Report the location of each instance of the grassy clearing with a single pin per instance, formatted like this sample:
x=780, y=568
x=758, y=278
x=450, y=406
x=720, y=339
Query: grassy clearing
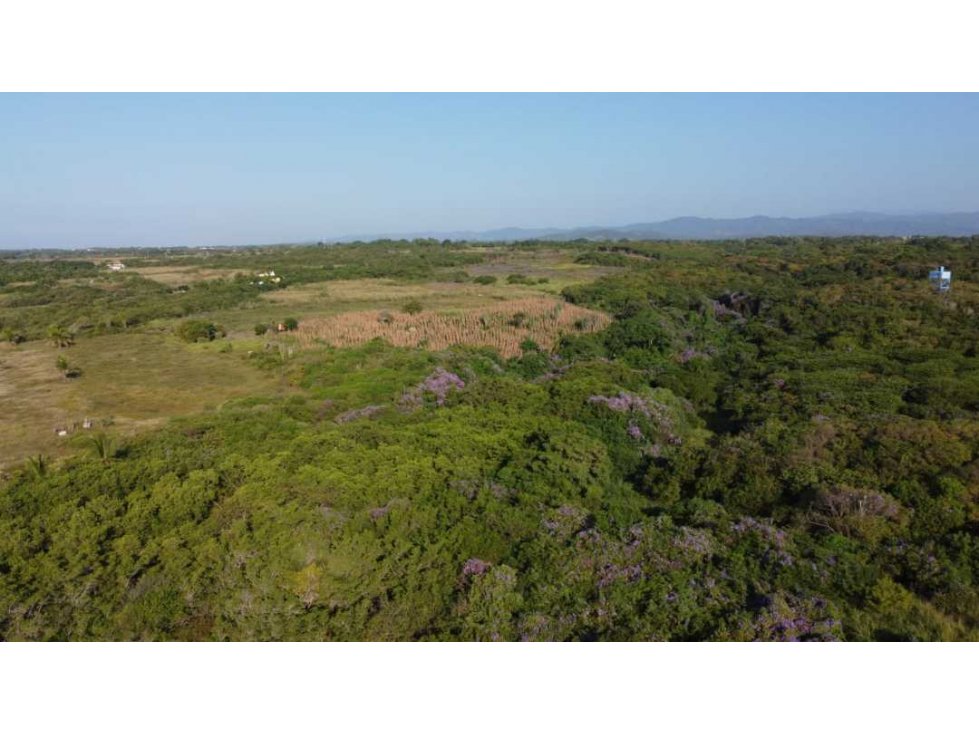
x=558, y=266
x=130, y=382
x=328, y=298
x=177, y=275
x=503, y=326
x=140, y=378
x=320, y=300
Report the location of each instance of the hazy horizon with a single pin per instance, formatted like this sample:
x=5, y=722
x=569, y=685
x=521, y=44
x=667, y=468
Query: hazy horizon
x=114, y=170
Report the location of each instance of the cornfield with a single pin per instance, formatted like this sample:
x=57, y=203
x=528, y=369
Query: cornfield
x=504, y=326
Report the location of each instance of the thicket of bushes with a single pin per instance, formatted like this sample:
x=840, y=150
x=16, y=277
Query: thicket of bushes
x=774, y=440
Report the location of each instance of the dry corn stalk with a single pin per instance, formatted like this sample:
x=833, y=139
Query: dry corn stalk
x=504, y=326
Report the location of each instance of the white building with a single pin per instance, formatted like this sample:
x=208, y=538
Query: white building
x=941, y=279
x=116, y=266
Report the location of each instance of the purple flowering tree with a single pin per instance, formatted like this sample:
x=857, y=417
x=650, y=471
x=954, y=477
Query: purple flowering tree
x=438, y=385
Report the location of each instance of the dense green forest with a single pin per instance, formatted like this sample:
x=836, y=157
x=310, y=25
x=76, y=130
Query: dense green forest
x=774, y=440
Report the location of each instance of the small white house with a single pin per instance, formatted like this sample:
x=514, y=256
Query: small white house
x=116, y=266
x=941, y=279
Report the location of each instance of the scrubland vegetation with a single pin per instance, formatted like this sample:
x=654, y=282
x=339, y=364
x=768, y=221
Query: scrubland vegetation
x=762, y=440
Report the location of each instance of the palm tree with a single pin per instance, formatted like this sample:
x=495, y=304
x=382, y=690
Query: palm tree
x=60, y=336
x=37, y=466
x=102, y=446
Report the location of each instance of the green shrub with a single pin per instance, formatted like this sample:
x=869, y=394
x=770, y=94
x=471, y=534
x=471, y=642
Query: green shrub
x=12, y=336
x=194, y=330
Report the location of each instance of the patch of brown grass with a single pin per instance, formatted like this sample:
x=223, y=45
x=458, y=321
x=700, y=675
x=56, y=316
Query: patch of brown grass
x=136, y=381
x=503, y=326
x=174, y=275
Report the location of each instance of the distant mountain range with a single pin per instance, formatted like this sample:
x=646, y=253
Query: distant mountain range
x=701, y=228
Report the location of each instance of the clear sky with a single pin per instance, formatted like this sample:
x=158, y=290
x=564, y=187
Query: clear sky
x=80, y=170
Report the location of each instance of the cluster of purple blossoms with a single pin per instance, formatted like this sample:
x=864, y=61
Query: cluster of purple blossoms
x=753, y=525
x=565, y=520
x=411, y=400
x=920, y=559
x=692, y=540
x=378, y=512
x=500, y=491
x=535, y=628
x=630, y=403
x=690, y=353
x=795, y=621
x=470, y=488
x=557, y=367
x=721, y=310
x=589, y=536
x=636, y=535
x=475, y=567
x=775, y=537
x=610, y=573
x=790, y=629
x=438, y=384
x=784, y=558
x=624, y=402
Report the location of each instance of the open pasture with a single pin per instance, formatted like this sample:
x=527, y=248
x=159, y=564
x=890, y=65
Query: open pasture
x=329, y=298
x=177, y=275
x=129, y=383
x=556, y=265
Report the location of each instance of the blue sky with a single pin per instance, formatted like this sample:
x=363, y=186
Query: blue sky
x=80, y=170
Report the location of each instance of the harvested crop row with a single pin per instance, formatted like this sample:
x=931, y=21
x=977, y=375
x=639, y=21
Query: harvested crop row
x=503, y=327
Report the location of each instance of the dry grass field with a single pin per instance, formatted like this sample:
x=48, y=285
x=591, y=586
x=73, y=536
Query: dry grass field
x=321, y=300
x=177, y=275
x=503, y=326
x=131, y=382
x=558, y=266
x=329, y=298
x=138, y=380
